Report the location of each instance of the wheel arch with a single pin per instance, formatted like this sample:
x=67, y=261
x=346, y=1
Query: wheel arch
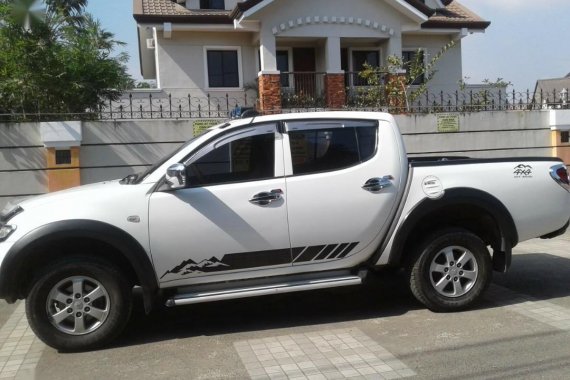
x=38, y=248
x=472, y=209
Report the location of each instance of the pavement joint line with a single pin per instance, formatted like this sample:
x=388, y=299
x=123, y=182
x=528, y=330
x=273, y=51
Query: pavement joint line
x=17, y=344
x=322, y=355
x=542, y=311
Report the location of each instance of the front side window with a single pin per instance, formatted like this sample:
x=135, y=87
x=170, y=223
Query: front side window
x=212, y=4
x=223, y=68
x=250, y=158
x=322, y=150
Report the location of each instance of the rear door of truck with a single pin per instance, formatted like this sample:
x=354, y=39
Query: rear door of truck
x=343, y=181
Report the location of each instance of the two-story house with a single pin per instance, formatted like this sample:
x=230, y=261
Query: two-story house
x=200, y=47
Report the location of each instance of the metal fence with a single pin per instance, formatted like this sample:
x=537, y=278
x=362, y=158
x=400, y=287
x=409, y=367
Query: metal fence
x=169, y=107
x=307, y=94
x=149, y=106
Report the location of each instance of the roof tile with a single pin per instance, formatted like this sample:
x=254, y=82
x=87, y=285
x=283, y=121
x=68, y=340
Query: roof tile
x=454, y=15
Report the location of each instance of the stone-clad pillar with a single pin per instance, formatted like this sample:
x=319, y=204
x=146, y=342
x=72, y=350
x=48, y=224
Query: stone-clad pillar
x=396, y=92
x=335, y=91
x=269, y=76
x=269, y=93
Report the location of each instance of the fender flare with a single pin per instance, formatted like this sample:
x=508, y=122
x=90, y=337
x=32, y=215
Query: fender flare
x=456, y=196
x=23, y=250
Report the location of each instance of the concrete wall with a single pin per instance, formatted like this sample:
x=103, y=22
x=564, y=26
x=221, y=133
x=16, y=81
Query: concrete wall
x=22, y=161
x=115, y=149
x=481, y=135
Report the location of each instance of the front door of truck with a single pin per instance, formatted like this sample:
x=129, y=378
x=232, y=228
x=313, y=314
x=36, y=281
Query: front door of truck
x=232, y=219
x=343, y=178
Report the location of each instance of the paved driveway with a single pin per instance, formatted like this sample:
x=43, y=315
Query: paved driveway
x=376, y=331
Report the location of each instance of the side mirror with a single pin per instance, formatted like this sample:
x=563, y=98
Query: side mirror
x=176, y=176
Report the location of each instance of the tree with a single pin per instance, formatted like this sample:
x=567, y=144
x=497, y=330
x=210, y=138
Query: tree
x=418, y=73
x=57, y=59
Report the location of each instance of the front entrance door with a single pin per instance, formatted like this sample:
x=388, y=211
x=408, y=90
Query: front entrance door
x=304, y=65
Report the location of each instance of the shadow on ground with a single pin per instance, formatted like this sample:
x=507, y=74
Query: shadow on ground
x=540, y=275
x=384, y=294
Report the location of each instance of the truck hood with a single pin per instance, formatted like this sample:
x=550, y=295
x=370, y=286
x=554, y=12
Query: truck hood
x=86, y=193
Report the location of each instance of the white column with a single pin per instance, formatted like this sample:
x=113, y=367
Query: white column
x=332, y=55
x=394, y=46
x=267, y=54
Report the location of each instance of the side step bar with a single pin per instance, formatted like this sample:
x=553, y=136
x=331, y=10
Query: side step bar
x=263, y=290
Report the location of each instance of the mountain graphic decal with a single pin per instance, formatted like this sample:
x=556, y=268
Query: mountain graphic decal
x=258, y=259
x=190, y=266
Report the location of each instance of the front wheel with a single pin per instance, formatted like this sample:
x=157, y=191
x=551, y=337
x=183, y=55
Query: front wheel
x=79, y=304
x=450, y=270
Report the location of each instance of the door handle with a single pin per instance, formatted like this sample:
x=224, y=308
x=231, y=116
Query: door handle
x=375, y=185
x=267, y=197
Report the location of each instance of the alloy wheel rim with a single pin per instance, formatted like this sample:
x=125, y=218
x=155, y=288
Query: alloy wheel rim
x=78, y=305
x=453, y=271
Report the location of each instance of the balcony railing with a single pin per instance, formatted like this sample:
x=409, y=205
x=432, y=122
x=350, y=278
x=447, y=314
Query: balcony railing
x=303, y=89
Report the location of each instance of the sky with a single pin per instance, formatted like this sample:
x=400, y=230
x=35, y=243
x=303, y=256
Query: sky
x=527, y=39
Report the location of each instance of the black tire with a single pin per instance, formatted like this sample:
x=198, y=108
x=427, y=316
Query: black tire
x=117, y=302
x=423, y=278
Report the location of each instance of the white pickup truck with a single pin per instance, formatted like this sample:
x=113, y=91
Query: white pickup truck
x=268, y=205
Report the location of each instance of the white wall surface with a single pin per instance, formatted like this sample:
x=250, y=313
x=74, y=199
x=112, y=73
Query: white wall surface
x=182, y=61
x=448, y=69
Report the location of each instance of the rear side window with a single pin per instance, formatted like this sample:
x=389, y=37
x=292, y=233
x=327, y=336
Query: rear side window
x=322, y=150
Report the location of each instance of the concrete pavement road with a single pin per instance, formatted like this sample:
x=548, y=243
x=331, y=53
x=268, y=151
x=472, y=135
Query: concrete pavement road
x=375, y=331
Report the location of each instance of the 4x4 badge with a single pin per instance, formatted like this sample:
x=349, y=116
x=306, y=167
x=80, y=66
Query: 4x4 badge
x=523, y=171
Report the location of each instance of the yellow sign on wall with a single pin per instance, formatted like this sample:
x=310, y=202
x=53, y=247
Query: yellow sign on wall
x=201, y=126
x=447, y=123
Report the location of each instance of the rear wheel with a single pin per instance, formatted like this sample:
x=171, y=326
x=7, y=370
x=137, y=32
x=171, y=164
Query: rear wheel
x=450, y=270
x=79, y=304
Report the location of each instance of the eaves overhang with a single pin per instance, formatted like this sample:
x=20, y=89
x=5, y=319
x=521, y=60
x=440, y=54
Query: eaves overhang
x=414, y=9
x=183, y=19
x=436, y=24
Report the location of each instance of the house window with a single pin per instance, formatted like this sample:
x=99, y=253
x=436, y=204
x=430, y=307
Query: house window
x=359, y=59
x=565, y=137
x=283, y=66
x=410, y=56
x=212, y=4
x=63, y=157
x=223, y=68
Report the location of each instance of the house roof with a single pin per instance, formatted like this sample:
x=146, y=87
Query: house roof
x=171, y=11
x=453, y=16
x=550, y=88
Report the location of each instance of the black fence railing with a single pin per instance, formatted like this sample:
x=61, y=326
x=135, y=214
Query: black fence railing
x=154, y=105
x=169, y=107
x=306, y=93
